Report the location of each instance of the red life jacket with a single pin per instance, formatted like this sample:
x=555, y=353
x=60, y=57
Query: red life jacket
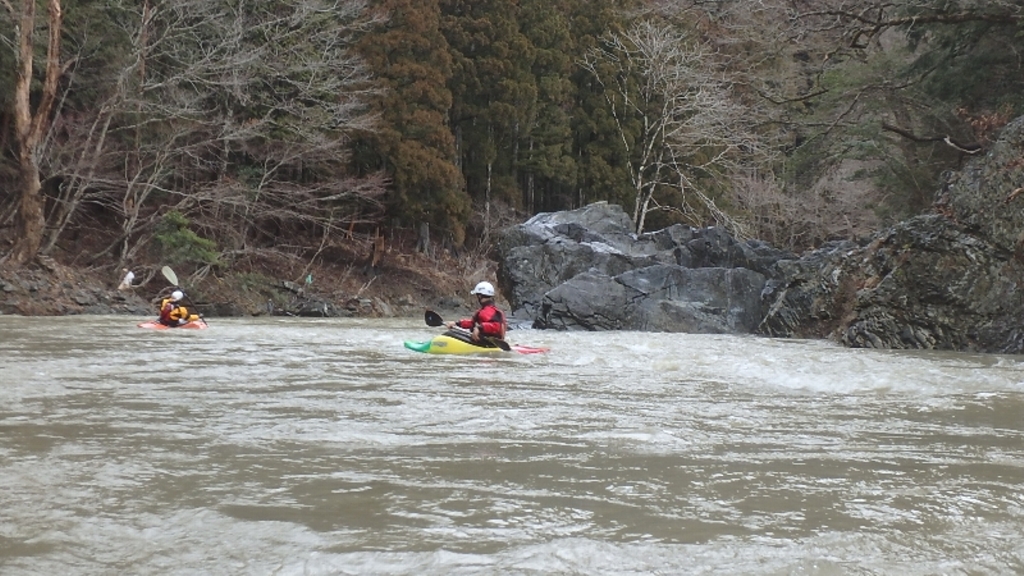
x=490, y=320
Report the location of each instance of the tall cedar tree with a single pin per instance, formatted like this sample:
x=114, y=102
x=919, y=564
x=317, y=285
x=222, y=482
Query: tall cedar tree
x=415, y=146
x=547, y=167
x=602, y=162
x=494, y=93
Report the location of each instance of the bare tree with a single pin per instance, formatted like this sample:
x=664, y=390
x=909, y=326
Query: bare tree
x=31, y=125
x=677, y=118
x=861, y=22
x=903, y=90
x=236, y=115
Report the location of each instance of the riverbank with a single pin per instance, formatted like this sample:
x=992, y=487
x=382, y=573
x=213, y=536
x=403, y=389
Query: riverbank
x=402, y=284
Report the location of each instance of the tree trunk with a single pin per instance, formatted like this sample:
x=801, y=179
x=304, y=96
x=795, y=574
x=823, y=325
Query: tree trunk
x=487, y=202
x=423, y=238
x=31, y=127
x=643, y=205
x=640, y=201
x=530, y=186
x=30, y=223
x=531, y=194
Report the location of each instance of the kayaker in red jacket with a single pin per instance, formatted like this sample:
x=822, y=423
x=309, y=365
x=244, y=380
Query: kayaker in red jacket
x=488, y=322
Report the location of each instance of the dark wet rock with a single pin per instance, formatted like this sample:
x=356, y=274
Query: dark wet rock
x=928, y=284
x=383, y=308
x=584, y=269
x=83, y=298
x=950, y=280
x=315, y=308
x=805, y=297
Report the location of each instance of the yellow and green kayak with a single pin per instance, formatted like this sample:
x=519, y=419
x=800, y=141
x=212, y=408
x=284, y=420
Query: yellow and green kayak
x=454, y=342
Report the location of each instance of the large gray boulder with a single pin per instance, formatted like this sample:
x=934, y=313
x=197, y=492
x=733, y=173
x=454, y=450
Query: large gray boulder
x=585, y=270
x=660, y=298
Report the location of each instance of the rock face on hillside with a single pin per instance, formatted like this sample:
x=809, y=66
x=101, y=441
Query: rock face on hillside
x=948, y=280
x=925, y=283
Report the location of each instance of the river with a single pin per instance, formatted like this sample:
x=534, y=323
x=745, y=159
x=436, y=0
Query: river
x=298, y=446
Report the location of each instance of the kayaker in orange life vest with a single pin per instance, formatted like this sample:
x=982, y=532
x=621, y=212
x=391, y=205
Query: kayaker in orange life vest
x=172, y=313
x=488, y=322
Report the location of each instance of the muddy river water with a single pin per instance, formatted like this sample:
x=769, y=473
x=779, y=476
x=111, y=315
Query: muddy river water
x=292, y=446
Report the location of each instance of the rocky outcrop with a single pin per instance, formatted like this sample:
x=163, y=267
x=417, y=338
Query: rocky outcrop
x=924, y=283
x=56, y=290
x=48, y=288
x=947, y=280
x=585, y=269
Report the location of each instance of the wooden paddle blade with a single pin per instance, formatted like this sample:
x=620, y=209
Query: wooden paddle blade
x=170, y=275
x=433, y=318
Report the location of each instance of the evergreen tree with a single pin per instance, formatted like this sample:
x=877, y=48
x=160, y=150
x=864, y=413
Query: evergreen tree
x=601, y=159
x=547, y=166
x=494, y=94
x=414, y=145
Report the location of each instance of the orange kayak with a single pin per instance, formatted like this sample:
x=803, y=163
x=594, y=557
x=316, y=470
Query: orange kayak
x=155, y=325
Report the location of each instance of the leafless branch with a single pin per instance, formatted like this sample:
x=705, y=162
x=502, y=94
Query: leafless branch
x=670, y=85
x=234, y=132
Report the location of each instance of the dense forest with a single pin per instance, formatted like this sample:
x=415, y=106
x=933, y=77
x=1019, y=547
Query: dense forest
x=202, y=132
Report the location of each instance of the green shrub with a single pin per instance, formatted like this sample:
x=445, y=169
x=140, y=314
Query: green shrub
x=179, y=245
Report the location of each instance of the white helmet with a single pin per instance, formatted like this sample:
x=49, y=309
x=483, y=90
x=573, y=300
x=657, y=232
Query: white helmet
x=177, y=295
x=483, y=289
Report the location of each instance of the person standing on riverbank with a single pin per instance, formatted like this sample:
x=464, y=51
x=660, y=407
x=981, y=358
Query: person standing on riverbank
x=126, y=281
x=489, y=321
